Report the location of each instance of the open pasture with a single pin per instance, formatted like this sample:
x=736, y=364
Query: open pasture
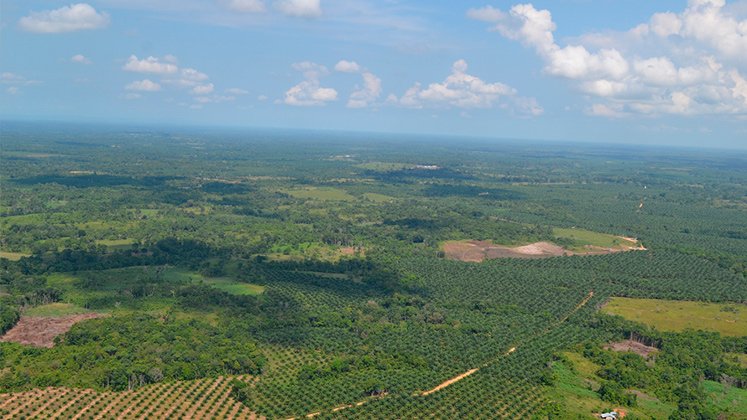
x=672, y=315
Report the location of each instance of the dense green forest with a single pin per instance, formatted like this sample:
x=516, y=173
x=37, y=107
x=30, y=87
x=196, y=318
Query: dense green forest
x=314, y=262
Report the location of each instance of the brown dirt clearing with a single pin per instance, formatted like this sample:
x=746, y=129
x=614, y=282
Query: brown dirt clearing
x=40, y=331
x=479, y=251
x=632, y=346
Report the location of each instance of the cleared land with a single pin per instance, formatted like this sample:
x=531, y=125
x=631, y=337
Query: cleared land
x=584, y=242
x=632, y=346
x=673, y=315
x=478, y=251
x=40, y=331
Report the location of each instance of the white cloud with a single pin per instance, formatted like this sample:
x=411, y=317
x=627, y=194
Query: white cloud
x=299, y=8
x=80, y=58
x=345, y=66
x=365, y=95
x=205, y=89
x=486, y=14
x=150, y=65
x=459, y=90
x=309, y=92
x=244, y=6
x=144, y=85
x=193, y=75
x=76, y=17
x=675, y=63
x=15, y=81
x=368, y=93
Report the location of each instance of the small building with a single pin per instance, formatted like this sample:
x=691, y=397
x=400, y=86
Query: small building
x=612, y=415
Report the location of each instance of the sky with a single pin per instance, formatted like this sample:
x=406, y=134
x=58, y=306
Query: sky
x=627, y=71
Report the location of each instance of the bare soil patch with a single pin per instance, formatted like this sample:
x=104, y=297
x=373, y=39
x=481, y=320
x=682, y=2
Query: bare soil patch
x=40, y=331
x=478, y=251
x=632, y=346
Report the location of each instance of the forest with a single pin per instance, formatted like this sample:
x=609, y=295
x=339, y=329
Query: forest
x=306, y=274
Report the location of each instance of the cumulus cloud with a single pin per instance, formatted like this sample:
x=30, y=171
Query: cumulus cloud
x=345, y=66
x=368, y=93
x=80, y=58
x=76, y=17
x=309, y=92
x=365, y=95
x=150, y=65
x=459, y=90
x=675, y=63
x=144, y=85
x=299, y=8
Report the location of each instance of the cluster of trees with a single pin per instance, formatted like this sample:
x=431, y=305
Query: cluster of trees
x=125, y=352
x=675, y=373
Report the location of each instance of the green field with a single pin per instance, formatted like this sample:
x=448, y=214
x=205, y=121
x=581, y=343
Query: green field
x=322, y=194
x=233, y=287
x=582, y=237
x=728, y=399
x=55, y=309
x=116, y=243
x=385, y=166
x=13, y=256
x=672, y=315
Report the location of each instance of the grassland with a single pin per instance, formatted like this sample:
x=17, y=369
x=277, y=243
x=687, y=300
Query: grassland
x=13, y=256
x=728, y=399
x=672, y=315
x=116, y=243
x=55, y=309
x=322, y=194
x=234, y=287
x=582, y=238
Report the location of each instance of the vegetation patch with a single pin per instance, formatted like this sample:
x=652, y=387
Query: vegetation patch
x=56, y=309
x=586, y=241
x=674, y=315
x=13, y=256
x=378, y=198
x=728, y=399
x=576, y=391
x=322, y=194
x=234, y=287
x=116, y=243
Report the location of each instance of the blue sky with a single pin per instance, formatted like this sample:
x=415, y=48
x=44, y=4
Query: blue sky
x=664, y=72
